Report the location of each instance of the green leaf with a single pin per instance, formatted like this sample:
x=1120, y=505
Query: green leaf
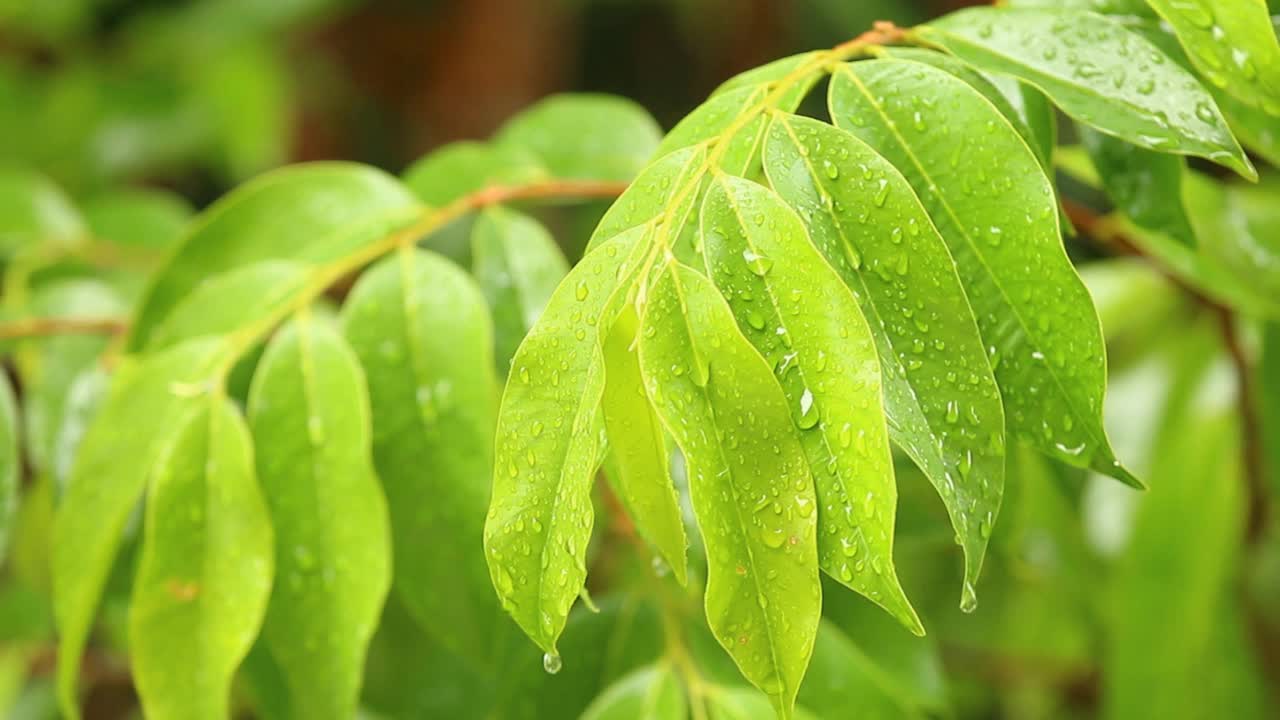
x=1238, y=230
x=226, y=302
x=769, y=74
x=1001, y=225
x=796, y=312
x=650, y=693
x=1269, y=407
x=842, y=676
x=309, y=413
x=1145, y=185
x=518, y=265
x=740, y=703
x=1232, y=43
x=461, y=168
x=312, y=213
x=549, y=445
x=119, y=452
x=660, y=192
x=205, y=569
x=10, y=462
x=137, y=217
x=868, y=223
x=748, y=475
x=421, y=330
x=585, y=137
x=34, y=211
x=639, y=465
x=1125, y=87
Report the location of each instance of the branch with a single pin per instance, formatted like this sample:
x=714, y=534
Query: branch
x=44, y=327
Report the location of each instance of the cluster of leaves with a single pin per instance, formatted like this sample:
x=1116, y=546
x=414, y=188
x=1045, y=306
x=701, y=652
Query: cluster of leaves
x=284, y=470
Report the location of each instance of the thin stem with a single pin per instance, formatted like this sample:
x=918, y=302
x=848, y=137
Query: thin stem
x=46, y=327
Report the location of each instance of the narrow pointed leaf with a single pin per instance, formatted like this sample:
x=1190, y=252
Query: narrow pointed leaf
x=935, y=369
x=460, y=168
x=312, y=213
x=10, y=462
x=205, y=570
x=804, y=321
x=750, y=481
x=640, y=463
x=518, y=266
x=650, y=693
x=665, y=193
x=549, y=445
x=420, y=328
x=137, y=422
x=584, y=136
x=1145, y=185
x=1001, y=225
x=309, y=413
x=1122, y=84
x=1232, y=43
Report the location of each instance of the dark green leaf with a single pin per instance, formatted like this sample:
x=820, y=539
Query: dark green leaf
x=460, y=168
x=309, y=413
x=205, y=569
x=518, y=266
x=586, y=137
x=1145, y=185
x=1238, y=227
x=421, y=330
x=1001, y=226
x=650, y=693
x=1124, y=85
x=868, y=223
x=750, y=481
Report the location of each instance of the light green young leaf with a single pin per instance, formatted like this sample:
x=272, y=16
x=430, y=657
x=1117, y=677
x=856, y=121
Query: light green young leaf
x=662, y=194
x=206, y=566
x=639, y=465
x=1258, y=131
x=119, y=452
x=650, y=693
x=1232, y=43
x=549, y=445
x=740, y=703
x=10, y=462
x=1145, y=185
x=1125, y=87
x=225, y=302
x=768, y=74
x=842, y=676
x=421, y=330
x=518, y=265
x=1239, y=230
x=309, y=413
x=794, y=309
x=460, y=168
x=310, y=213
x=137, y=217
x=587, y=137
x=940, y=395
x=748, y=476
x=1001, y=224
x=34, y=211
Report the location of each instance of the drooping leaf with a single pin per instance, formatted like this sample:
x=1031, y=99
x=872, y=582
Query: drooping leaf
x=205, y=569
x=309, y=413
x=842, y=676
x=650, y=693
x=549, y=445
x=639, y=465
x=421, y=330
x=1001, y=226
x=311, y=213
x=518, y=265
x=137, y=422
x=804, y=321
x=226, y=302
x=1232, y=43
x=748, y=476
x=941, y=398
x=137, y=217
x=460, y=168
x=1145, y=185
x=34, y=211
x=10, y=462
x=1122, y=84
x=585, y=137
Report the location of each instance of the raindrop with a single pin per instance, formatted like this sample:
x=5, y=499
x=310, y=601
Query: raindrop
x=551, y=663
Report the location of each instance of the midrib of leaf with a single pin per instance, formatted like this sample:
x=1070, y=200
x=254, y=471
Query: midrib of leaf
x=800, y=367
x=977, y=251
x=733, y=486
x=875, y=309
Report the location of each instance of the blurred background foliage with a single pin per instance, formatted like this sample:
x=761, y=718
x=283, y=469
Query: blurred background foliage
x=1096, y=601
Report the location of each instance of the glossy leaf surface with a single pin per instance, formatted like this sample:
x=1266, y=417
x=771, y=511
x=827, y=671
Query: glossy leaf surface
x=868, y=223
x=748, y=475
x=1145, y=185
x=1001, y=226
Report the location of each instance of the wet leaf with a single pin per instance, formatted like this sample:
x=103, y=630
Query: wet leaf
x=1145, y=185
